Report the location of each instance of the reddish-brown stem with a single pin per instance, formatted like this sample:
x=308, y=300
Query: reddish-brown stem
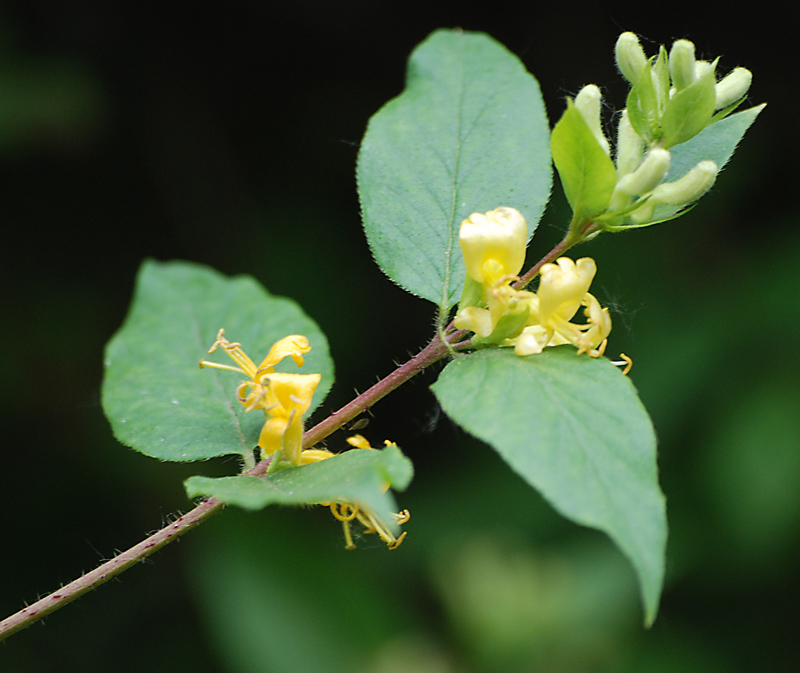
x=68, y=593
x=433, y=352
x=531, y=273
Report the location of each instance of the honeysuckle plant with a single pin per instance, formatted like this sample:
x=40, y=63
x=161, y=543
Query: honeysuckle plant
x=453, y=177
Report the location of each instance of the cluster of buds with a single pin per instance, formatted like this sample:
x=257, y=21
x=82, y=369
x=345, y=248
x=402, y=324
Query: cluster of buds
x=493, y=246
x=673, y=97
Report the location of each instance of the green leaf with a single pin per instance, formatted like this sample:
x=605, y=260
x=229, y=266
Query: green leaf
x=468, y=134
x=689, y=110
x=716, y=142
x=587, y=173
x=644, y=102
x=156, y=397
x=573, y=427
x=358, y=476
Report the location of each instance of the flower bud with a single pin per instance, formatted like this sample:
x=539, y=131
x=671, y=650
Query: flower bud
x=494, y=244
x=689, y=188
x=649, y=174
x=701, y=68
x=644, y=213
x=681, y=63
x=631, y=59
x=588, y=103
x=630, y=146
x=732, y=87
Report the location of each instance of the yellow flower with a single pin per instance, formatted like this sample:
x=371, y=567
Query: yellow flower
x=494, y=244
x=346, y=512
x=563, y=289
x=286, y=398
x=283, y=397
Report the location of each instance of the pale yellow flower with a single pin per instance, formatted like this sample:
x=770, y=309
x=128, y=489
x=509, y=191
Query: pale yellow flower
x=563, y=289
x=286, y=398
x=494, y=244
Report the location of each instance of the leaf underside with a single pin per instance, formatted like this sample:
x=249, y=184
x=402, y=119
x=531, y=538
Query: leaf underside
x=357, y=476
x=574, y=428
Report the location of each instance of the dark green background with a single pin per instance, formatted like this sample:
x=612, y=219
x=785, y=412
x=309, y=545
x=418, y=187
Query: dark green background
x=228, y=136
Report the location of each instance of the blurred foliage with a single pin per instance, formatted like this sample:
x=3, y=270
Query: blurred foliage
x=189, y=134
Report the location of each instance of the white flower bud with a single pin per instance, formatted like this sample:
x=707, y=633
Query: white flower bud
x=588, y=103
x=630, y=146
x=643, y=213
x=681, y=63
x=687, y=189
x=701, y=68
x=631, y=59
x=649, y=174
x=732, y=87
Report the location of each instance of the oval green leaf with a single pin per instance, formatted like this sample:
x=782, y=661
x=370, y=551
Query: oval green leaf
x=468, y=134
x=587, y=173
x=689, y=111
x=574, y=428
x=357, y=476
x=155, y=395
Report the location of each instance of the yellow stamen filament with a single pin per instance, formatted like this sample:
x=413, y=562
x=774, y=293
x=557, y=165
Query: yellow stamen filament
x=247, y=366
x=626, y=362
x=344, y=511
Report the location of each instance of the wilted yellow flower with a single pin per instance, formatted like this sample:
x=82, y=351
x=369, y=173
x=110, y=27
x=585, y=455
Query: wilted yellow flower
x=347, y=512
x=283, y=397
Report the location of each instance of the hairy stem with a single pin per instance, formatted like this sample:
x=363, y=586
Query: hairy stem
x=121, y=562
x=433, y=352
x=436, y=350
x=565, y=244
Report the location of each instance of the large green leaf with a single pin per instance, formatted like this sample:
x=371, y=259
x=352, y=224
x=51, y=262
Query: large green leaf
x=468, y=134
x=357, y=476
x=573, y=427
x=156, y=397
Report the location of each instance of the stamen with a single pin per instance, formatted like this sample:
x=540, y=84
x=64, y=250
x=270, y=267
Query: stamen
x=235, y=353
x=217, y=365
x=376, y=526
x=626, y=362
x=398, y=541
x=221, y=341
x=348, y=538
x=340, y=509
x=259, y=392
